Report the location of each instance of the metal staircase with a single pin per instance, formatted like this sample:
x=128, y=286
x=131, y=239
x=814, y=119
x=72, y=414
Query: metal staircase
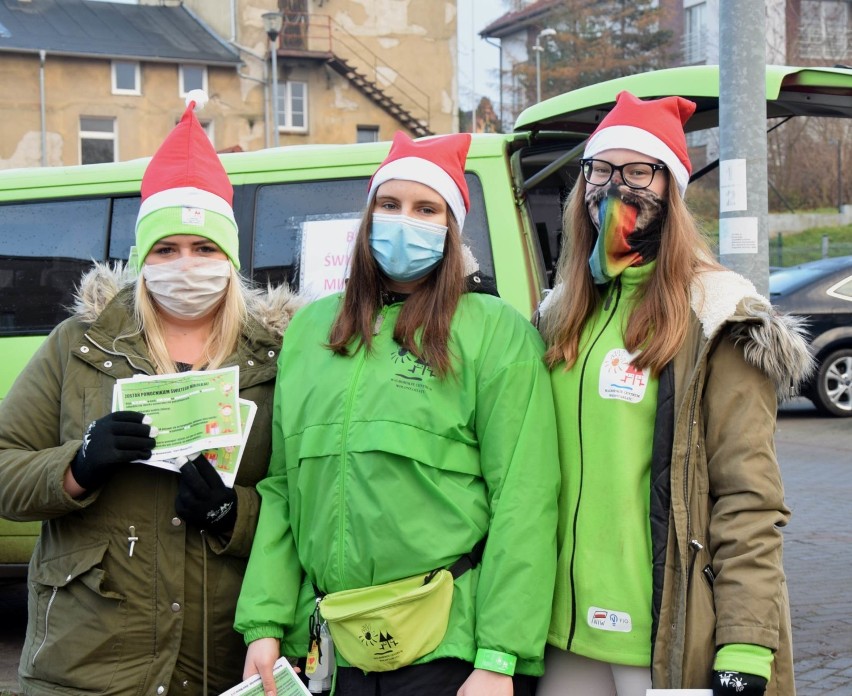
x=320, y=37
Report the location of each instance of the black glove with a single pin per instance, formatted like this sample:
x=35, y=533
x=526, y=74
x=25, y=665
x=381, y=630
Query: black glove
x=203, y=498
x=738, y=684
x=117, y=438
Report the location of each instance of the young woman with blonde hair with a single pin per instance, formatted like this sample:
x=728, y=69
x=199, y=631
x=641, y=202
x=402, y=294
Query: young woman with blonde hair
x=134, y=580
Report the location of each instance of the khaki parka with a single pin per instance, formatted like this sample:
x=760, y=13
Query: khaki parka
x=100, y=619
x=723, y=579
x=717, y=500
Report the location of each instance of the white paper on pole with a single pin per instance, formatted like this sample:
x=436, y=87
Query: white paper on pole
x=733, y=189
x=738, y=235
x=325, y=253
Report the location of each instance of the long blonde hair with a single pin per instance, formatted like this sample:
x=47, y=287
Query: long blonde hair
x=423, y=325
x=658, y=324
x=224, y=336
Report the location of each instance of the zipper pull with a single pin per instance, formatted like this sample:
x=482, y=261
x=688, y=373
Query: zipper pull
x=378, y=325
x=132, y=539
x=614, y=289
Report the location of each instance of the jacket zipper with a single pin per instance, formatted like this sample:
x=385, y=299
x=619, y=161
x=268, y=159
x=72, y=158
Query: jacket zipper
x=617, y=290
x=347, y=415
x=46, y=623
x=686, y=470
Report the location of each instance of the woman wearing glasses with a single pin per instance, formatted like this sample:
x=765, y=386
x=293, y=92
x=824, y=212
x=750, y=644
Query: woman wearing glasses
x=666, y=370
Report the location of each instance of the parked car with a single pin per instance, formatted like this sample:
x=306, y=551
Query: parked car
x=295, y=207
x=821, y=291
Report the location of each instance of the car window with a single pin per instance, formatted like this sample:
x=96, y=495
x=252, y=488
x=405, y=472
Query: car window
x=303, y=232
x=44, y=249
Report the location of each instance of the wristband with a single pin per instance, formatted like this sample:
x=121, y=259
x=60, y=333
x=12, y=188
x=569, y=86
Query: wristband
x=495, y=661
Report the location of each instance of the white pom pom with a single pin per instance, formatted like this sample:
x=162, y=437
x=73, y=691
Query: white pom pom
x=199, y=96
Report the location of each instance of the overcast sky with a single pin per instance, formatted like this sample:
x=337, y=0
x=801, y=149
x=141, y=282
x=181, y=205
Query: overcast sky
x=476, y=57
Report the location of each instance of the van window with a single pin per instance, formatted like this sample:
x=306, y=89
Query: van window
x=44, y=249
x=123, y=227
x=291, y=219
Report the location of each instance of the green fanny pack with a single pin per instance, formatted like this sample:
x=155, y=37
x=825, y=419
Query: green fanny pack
x=385, y=627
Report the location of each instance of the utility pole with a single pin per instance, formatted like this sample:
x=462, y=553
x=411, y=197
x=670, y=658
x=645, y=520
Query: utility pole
x=743, y=197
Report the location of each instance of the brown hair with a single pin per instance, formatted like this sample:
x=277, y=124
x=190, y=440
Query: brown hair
x=423, y=325
x=659, y=321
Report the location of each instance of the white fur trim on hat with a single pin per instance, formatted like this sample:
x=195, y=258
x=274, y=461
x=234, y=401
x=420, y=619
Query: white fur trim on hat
x=424, y=172
x=633, y=138
x=186, y=197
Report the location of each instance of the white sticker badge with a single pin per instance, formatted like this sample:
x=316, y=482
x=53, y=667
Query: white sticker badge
x=620, y=380
x=192, y=216
x=607, y=620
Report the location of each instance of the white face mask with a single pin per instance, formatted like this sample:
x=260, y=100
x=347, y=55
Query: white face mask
x=188, y=287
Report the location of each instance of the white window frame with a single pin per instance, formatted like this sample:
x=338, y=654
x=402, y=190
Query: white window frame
x=98, y=135
x=695, y=41
x=137, y=90
x=183, y=90
x=285, y=107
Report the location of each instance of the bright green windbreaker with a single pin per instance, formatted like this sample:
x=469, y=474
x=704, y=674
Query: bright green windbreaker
x=380, y=471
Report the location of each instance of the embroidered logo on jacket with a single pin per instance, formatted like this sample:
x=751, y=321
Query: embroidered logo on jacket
x=619, y=379
x=412, y=373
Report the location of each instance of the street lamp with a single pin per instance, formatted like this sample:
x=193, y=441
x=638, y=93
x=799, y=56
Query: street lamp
x=272, y=23
x=538, y=48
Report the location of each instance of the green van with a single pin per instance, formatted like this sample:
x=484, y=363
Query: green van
x=295, y=207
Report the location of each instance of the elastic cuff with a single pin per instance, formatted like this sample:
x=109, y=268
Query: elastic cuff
x=263, y=631
x=495, y=661
x=746, y=658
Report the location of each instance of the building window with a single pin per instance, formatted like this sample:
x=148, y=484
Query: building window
x=824, y=30
x=125, y=78
x=192, y=77
x=367, y=134
x=695, y=34
x=293, y=106
x=97, y=140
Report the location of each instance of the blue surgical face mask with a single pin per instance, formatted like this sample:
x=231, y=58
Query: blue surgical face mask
x=406, y=248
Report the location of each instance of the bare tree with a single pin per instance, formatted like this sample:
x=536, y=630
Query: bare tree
x=599, y=40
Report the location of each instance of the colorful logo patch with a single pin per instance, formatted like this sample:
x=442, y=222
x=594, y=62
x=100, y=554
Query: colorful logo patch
x=620, y=380
x=608, y=620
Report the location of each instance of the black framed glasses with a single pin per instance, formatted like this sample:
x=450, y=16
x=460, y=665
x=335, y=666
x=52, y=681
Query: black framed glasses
x=637, y=175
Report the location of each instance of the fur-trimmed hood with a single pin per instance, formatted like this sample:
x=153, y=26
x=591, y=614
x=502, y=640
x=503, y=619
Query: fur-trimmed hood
x=774, y=343
x=272, y=307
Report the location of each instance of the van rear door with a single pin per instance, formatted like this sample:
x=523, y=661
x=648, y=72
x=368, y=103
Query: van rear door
x=790, y=92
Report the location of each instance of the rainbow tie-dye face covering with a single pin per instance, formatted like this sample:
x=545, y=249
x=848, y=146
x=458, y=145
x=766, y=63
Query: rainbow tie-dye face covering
x=629, y=224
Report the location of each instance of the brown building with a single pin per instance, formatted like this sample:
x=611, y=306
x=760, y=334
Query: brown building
x=92, y=81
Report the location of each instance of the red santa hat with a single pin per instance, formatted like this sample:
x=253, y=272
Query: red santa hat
x=436, y=162
x=185, y=189
x=653, y=128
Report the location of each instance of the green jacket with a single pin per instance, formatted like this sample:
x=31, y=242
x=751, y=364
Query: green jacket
x=717, y=500
x=101, y=621
x=381, y=471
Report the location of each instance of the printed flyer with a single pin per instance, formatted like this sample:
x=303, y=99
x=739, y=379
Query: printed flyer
x=226, y=460
x=193, y=411
x=286, y=681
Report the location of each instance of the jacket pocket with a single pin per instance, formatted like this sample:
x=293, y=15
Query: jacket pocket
x=699, y=647
x=76, y=628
